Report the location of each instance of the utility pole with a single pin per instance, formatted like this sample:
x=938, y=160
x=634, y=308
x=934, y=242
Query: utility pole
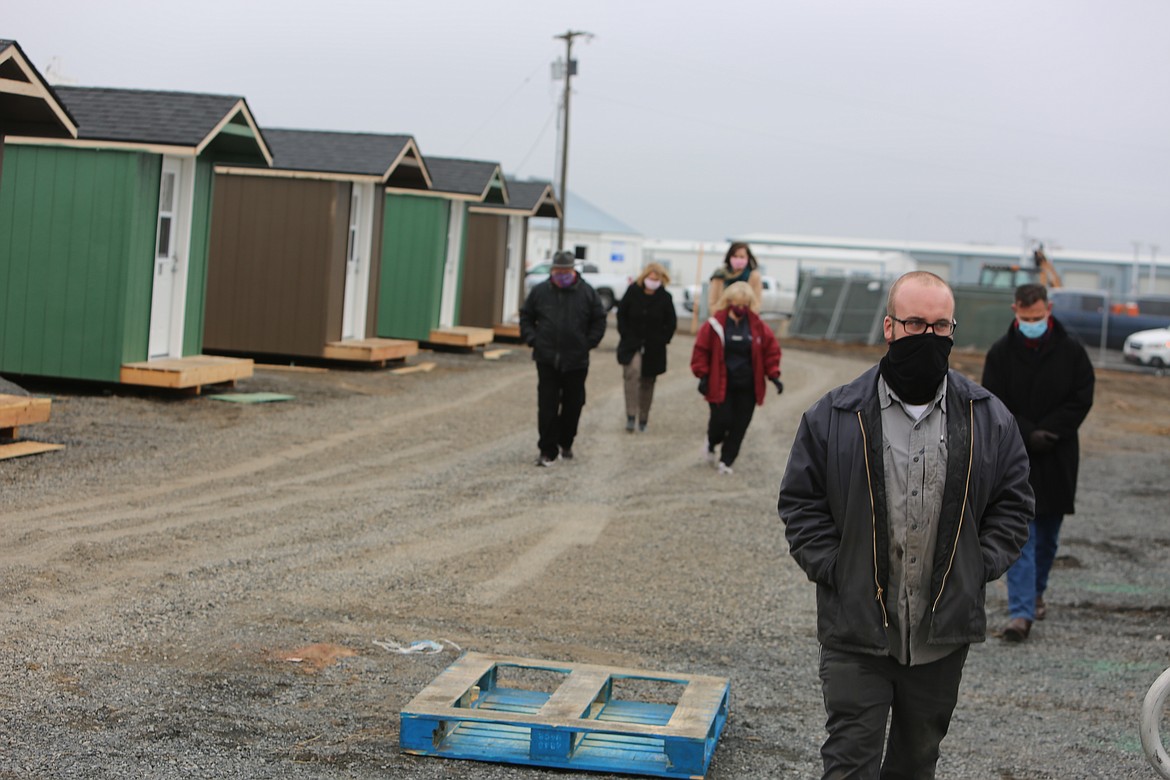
x=570, y=70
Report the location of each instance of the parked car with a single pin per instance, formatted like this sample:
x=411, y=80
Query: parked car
x=610, y=287
x=776, y=300
x=1148, y=348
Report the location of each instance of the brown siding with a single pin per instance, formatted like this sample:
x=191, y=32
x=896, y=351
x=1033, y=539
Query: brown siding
x=484, y=265
x=276, y=270
x=375, y=262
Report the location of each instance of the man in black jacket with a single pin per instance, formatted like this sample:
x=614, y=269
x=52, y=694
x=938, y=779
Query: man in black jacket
x=1045, y=379
x=906, y=491
x=562, y=319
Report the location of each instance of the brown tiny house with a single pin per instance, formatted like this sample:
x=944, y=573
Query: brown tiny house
x=296, y=249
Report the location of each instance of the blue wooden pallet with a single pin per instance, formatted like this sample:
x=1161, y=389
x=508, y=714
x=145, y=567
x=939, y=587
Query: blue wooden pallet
x=466, y=713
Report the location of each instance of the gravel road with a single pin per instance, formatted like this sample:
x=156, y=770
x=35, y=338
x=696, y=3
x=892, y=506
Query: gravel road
x=158, y=574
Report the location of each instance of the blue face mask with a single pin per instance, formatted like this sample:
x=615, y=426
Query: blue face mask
x=1033, y=330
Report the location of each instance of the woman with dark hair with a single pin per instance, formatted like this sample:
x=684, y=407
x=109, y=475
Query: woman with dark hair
x=739, y=265
x=646, y=323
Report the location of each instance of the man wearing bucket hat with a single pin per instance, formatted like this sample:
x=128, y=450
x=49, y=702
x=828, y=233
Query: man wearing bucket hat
x=562, y=320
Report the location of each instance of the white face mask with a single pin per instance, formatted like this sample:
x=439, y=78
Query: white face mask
x=652, y=284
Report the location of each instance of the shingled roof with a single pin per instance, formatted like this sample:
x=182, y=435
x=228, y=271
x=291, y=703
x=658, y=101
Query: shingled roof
x=478, y=179
x=184, y=119
x=28, y=105
x=394, y=159
x=535, y=197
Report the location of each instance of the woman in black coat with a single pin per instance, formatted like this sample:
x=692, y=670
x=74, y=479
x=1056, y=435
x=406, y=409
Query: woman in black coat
x=646, y=322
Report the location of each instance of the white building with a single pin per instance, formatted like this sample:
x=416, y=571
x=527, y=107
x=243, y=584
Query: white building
x=592, y=235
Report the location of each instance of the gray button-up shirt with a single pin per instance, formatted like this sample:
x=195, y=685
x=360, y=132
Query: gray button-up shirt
x=915, y=447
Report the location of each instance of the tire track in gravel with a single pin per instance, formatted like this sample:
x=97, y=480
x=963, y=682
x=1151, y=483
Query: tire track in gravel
x=283, y=458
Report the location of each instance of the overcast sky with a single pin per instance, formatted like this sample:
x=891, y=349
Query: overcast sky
x=928, y=120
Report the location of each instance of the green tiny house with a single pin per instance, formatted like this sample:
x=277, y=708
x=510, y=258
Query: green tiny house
x=104, y=239
x=424, y=240
x=415, y=236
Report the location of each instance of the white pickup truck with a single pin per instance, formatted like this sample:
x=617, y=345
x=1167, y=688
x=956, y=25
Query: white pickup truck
x=776, y=300
x=610, y=287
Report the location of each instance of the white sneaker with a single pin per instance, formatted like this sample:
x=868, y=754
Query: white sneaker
x=544, y=462
x=708, y=453
x=724, y=468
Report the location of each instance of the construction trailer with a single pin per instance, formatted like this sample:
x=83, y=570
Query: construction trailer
x=296, y=249
x=103, y=238
x=423, y=253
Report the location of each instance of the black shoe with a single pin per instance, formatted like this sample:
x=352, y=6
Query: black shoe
x=629, y=424
x=567, y=453
x=642, y=426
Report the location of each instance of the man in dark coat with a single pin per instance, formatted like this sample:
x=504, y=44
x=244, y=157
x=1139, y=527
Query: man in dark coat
x=906, y=491
x=1045, y=379
x=562, y=319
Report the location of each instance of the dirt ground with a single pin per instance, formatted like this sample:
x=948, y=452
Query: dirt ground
x=194, y=588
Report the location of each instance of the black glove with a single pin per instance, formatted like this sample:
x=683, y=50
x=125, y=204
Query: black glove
x=704, y=383
x=779, y=385
x=1041, y=441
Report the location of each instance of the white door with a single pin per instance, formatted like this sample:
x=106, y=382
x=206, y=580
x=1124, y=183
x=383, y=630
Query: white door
x=512, y=270
x=357, y=263
x=451, y=266
x=172, y=236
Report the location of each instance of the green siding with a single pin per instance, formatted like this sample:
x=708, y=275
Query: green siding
x=76, y=234
x=414, y=244
x=196, y=308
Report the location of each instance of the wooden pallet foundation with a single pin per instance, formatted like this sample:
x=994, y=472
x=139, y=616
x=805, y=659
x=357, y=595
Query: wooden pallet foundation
x=508, y=332
x=585, y=723
x=371, y=350
x=460, y=337
x=18, y=410
x=189, y=373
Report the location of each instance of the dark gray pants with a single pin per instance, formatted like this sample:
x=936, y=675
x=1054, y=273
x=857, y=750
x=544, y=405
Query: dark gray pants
x=863, y=691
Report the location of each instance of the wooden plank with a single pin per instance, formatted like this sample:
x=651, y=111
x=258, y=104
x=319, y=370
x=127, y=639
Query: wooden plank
x=507, y=331
x=461, y=336
x=420, y=368
x=466, y=712
x=185, y=372
x=373, y=350
x=17, y=410
x=495, y=354
x=19, y=449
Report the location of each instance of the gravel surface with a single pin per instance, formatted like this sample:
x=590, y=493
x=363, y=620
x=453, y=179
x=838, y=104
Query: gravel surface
x=159, y=572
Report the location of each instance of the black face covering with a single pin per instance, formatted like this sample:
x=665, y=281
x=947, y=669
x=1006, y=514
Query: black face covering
x=915, y=365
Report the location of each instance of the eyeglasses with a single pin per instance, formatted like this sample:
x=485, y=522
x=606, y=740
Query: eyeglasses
x=916, y=326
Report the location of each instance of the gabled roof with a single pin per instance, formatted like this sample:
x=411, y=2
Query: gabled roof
x=477, y=180
x=183, y=121
x=532, y=198
x=28, y=105
x=394, y=159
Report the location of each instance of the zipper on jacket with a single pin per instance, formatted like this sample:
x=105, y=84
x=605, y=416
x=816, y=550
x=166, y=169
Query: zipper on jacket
x=872, y=521
x=963, y=511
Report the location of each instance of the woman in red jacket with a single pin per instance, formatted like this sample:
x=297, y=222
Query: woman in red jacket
x=734, y=352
